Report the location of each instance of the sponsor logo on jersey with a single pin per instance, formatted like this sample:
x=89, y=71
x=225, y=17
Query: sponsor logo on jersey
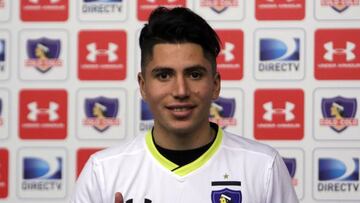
x=146, y=117
x=278, y=55
x=280, y=9
x=102, y=55
x=43, y=54
x=339, y=5
x=335, y=175
x=222, y=112
x=101, y=113
x=145, y=7
x=337, y=54
x=219, y=6
x=82, y=157
x=279, y=114
x=226, y=195
x=43, y=114
x=291, y=166
x=230, y=59
x=339, y=113
x=4, y=168
x=44, y=10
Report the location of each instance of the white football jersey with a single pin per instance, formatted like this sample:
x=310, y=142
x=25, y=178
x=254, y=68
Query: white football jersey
x=234, y=169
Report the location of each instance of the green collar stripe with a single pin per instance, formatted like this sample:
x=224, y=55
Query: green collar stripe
x=182, y=171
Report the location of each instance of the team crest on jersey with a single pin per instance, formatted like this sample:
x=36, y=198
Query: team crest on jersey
x=219, y=6
x=339, y=113
x=222, y=112
x=43, y=54
x=226, y=195
x=101, y=113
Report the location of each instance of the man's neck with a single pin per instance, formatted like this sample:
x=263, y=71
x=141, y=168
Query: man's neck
x=184, y=140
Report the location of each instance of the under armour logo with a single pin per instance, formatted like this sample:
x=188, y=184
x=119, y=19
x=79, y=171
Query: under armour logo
x=347, y=51
x=94, y=52
x=227, y=51
x=270, y=111
x=35, y=111
x=37, y=1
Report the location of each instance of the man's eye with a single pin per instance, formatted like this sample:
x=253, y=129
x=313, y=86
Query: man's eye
x=163, y=76
x=195, y=75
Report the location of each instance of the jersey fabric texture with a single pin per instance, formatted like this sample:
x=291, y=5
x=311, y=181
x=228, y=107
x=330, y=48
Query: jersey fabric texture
x=233, y=169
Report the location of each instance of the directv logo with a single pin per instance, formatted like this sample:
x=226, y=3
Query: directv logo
x=279, y=55
x=40, y=174
x=146, y=118
x=338, y=175
x=102, y=6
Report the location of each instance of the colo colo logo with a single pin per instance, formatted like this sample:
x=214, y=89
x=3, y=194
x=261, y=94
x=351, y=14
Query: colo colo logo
x=43, y=54
x=339, y=113
x=222, y=112
x=101, y=113
x=219, y=6
x=339, y=6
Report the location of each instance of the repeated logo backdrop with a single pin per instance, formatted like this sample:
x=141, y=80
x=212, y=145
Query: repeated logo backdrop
x=290, y=78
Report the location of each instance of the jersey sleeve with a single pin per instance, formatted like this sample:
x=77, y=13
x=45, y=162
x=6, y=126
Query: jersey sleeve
x=279, y=186
x=87, y=188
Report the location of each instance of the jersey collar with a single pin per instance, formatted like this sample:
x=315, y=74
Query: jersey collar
x=184, y=170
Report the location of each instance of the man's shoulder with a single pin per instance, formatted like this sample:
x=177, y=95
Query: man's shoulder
x=124, y=148
x=238, y=143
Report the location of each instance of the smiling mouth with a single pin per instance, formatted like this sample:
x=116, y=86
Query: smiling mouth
x=180, y=109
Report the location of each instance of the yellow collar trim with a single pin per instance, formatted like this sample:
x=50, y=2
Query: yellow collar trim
x=184, y=170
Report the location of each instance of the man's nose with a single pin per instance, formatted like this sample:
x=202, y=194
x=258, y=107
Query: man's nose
x=181, y=88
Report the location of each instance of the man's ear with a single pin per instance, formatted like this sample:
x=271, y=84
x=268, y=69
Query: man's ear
x=141, y=82
x=217, y=86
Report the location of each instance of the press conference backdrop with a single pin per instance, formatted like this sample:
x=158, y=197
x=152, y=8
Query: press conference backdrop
x=290, y=78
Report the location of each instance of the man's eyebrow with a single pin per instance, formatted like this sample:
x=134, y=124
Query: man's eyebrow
x=196, y=67
x=161, y=69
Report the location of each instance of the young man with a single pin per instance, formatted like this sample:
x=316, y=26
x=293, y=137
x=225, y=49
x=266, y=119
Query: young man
x=184, y=158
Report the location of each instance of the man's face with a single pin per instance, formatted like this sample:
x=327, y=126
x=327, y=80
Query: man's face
x=179, y=86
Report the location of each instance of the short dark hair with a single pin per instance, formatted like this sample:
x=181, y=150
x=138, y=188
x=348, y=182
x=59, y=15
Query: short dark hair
x=178, y=25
